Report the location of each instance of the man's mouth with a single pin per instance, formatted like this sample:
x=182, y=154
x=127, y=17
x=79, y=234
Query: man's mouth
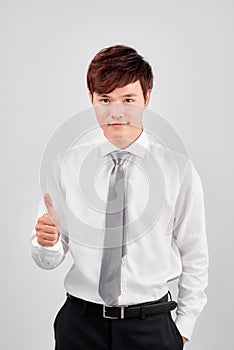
x=117, y=125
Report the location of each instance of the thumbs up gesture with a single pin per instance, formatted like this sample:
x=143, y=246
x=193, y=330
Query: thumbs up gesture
x=48, y=225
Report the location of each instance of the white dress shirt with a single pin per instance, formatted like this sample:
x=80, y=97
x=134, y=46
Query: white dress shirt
x=174, y=243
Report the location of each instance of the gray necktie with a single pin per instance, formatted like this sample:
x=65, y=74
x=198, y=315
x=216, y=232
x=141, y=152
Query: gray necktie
x=114, y=242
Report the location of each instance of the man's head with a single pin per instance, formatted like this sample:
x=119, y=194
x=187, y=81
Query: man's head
x=120, y=82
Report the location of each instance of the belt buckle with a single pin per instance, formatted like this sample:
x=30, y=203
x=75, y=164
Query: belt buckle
x=114, y=317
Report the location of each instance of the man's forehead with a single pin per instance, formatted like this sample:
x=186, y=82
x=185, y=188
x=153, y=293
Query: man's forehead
x=129, y=90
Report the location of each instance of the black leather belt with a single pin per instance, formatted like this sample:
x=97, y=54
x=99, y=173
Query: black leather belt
x=142, y=310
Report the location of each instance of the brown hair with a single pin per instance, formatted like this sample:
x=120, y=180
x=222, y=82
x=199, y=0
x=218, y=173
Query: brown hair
x=116, y=66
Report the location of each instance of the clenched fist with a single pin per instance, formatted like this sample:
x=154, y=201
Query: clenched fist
x=48, y=225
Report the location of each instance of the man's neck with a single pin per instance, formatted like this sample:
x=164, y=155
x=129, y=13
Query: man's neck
x=123, y=143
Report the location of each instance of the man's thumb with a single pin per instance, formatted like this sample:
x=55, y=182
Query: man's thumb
x=50, y=210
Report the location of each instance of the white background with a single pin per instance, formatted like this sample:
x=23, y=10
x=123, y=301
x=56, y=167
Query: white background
x=46, y=47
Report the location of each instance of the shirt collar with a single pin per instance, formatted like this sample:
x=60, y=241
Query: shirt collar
x=138, y=147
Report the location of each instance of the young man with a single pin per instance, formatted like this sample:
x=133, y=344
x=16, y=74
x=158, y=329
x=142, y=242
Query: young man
x=118, y=298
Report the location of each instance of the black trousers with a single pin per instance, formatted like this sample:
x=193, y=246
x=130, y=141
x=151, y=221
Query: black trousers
x=78, y=326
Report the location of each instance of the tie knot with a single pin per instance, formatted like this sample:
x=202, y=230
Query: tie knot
x=120, y=156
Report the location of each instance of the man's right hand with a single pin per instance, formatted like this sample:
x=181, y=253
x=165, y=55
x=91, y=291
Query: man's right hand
x=48, y=225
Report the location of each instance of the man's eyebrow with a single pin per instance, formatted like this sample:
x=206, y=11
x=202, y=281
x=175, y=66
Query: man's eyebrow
x=130, y=95
x=125, y=95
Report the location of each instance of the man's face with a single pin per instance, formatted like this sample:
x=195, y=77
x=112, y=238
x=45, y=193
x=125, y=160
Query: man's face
x=119, y=113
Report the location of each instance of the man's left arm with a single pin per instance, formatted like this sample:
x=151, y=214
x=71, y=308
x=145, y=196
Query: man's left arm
x=191, y=240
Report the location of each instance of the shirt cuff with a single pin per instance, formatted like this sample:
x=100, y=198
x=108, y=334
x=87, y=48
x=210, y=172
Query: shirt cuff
x=185, y=325
x=56, y=247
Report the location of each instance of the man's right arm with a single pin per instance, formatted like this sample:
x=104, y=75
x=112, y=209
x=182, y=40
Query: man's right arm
x=48, y=245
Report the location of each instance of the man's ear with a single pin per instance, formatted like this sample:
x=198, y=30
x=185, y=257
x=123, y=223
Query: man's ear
x=91, y=97
x=147, y=98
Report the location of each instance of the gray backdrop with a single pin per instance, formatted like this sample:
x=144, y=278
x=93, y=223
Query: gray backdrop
x=46, y=47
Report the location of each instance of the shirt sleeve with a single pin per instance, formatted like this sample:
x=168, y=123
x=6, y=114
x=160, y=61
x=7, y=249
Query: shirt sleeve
x=49, y=258
x=191, y=240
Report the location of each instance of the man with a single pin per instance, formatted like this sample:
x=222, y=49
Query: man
x=133, y=279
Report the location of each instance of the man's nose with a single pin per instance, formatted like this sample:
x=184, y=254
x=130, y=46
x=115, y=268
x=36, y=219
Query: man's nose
x=117, y=110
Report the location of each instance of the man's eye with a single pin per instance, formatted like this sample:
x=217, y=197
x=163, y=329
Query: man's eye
x=105, y=100
x=128, y=100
